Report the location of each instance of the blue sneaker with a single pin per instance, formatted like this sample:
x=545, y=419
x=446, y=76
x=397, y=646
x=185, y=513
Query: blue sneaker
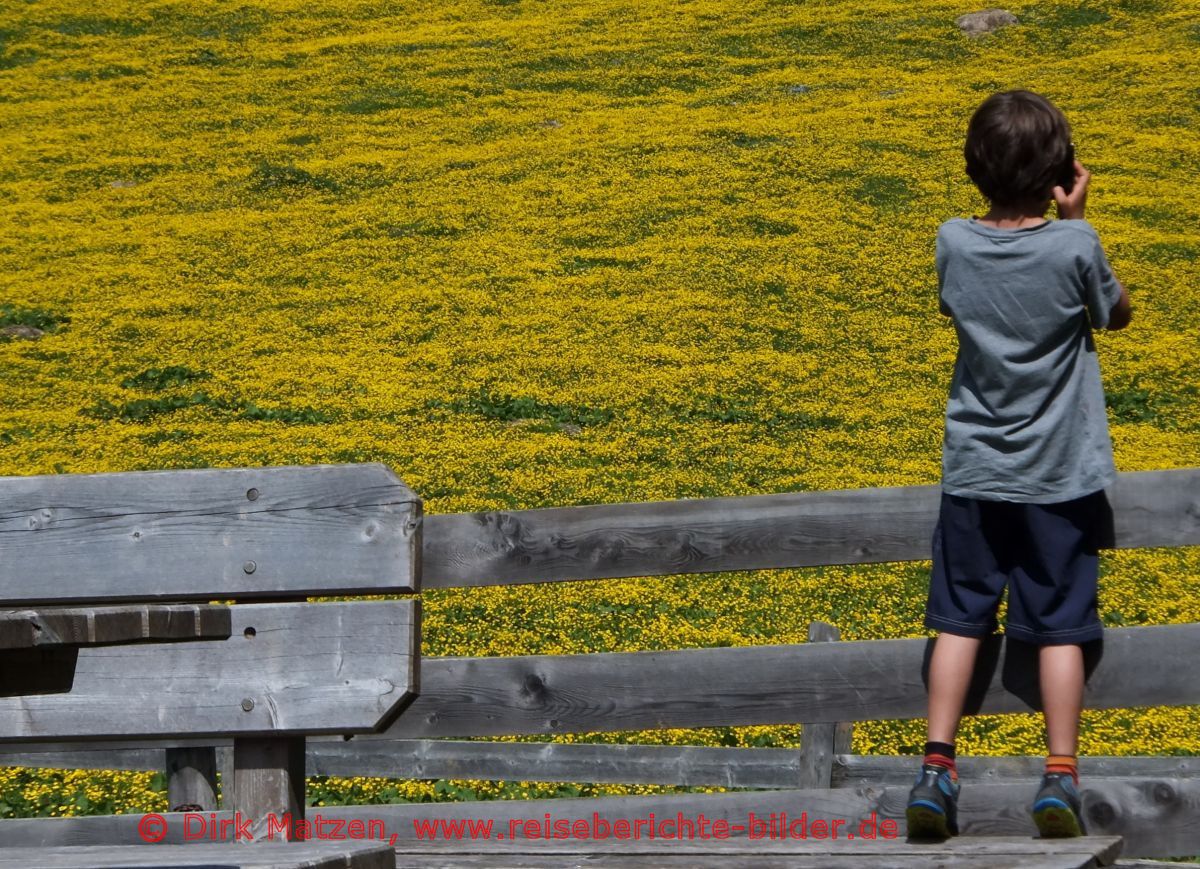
x=1056, y=808
x=932, y=811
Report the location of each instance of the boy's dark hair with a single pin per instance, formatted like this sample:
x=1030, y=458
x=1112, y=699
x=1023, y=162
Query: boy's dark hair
x=1018, y=144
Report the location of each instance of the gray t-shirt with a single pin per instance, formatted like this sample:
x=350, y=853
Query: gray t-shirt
x=1026, y=419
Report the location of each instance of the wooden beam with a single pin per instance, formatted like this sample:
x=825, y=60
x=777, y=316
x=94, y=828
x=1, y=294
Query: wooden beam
x=268, y=787
x=244, y=533
x=706, y=535
x=94, y=626
x=868, y=769
x=686, y=765
x=820, y=742
x=554, y=762
x=287, y=669
x=1156, y=817
x=202, y=855
x=811, y=682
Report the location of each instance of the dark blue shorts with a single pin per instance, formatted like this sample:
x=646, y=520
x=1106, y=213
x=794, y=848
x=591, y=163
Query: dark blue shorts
x=1046, y=554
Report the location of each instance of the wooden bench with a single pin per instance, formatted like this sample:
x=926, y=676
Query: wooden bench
x=109, y=633
x=1148, y=803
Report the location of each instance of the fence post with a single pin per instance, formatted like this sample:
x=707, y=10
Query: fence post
x=820, y=742
x=192, y=779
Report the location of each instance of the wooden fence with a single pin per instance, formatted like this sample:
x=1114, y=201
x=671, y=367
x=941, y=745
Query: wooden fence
x=1154, y=803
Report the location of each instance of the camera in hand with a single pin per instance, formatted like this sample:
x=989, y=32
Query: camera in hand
x=1066, y=174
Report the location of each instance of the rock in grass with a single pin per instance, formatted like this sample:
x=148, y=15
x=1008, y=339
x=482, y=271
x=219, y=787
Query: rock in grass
x=29, y=333
x=976, y=24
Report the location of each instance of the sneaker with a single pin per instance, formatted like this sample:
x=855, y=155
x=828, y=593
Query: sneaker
x=933, y=804
x=1056, y=809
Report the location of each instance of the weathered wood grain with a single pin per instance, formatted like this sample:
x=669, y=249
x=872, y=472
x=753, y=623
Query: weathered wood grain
x=287, y=669
x=811, y=682
x=268, y=785
x=747, y=858
x=687, y=765
x=1151, y=508
x=92, y=626
x=244, y=533
x=191, y=779
x=1021, y=851
x=879, y=770
x=1149, y=828
x=202, y=855
x=567, y=762
x=820, y=742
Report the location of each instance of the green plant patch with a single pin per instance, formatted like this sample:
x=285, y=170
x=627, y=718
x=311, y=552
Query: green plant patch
x=884, y=192
x=579, y=264
x=767, y=226
x=158, y=379
x=742, y=139
x=290, y=415
x=511, y=407
x=47, y=321
x=268, y=176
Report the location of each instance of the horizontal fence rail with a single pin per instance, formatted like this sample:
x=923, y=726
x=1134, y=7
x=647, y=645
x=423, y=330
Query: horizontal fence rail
x=801, y=683
x=683, y=765
x=244, y=533
x=810, y=682
x=707, y=535
x=1156, y=816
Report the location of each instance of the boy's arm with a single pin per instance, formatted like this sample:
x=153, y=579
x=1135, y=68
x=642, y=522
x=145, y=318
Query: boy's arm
x=1106, y=298
x=939, y=258
x=1122, y=311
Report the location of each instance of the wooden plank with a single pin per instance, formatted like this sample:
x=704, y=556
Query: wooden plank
x=1085, y=850
x=1149, y=828
x=92, y=626
x=515, y=761
x=566, y=762
x=862, y=526
x=202, y=855
x=283, y=532
x=191, y=779
x=288, y=669
x=818, y=742
x=751, y=859
x=855, y=770
x=811, y=682
x=268, y=784
x=687, y=765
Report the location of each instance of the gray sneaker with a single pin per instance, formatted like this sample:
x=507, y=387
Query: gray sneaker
x=932, y=811
x=1056, y=808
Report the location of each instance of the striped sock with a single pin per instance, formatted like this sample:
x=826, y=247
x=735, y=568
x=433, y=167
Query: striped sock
x=1063, y=763
x=941, y=754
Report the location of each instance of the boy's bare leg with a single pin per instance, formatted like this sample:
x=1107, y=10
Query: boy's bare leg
x=950, y=671
x=1061, y=680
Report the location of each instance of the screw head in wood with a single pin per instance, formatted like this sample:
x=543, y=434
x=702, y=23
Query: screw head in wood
x=249, y=567
x=252, y=494
x=247, y=705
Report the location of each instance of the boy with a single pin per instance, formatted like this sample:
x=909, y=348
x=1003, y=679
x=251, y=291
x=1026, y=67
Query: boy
x=1026, y=452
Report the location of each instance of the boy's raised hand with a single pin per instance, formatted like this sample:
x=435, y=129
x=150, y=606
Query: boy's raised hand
x=1071, y=205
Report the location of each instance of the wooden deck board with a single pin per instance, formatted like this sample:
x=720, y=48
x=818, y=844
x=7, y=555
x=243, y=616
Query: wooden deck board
x=972, y=852
x=204, y=855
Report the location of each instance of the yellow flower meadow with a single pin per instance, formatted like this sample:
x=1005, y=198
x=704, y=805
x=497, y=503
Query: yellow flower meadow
x=534, y=254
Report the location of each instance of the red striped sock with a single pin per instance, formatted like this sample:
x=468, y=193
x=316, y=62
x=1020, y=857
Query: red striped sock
x=1067, y=763
x=941, y=754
